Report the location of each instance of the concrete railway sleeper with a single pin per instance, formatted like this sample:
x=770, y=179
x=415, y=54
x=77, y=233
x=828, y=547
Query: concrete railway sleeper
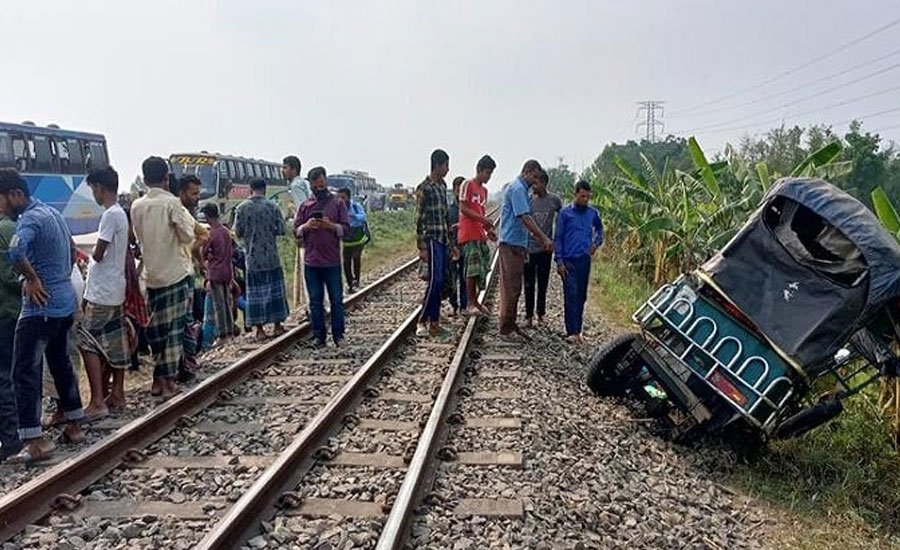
x=358, y=469
x=193, y=455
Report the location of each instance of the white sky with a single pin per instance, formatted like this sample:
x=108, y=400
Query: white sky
x=376, y=85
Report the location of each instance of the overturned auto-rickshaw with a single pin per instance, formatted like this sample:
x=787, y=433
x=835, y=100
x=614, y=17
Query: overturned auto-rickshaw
x=795, y=314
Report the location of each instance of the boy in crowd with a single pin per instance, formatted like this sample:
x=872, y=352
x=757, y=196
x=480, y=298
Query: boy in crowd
x=579, y=233
x=218, y=252
x=474, y=230
x=102, y=332
x=354, y=241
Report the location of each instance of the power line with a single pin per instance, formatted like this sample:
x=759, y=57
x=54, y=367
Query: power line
x=651, y=123
x=788, y=72
x=798, y=88
x=767, y=111
x=782, y=119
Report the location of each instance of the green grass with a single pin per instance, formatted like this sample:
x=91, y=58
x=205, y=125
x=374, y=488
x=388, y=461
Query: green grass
x=393, y=237
x=616, y=291
x=839, y=485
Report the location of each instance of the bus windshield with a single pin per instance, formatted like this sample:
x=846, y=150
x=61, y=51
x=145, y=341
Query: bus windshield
x=202, y=167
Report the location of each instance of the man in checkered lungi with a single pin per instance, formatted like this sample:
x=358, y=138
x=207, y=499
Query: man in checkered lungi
x=164, y=228
x=258, y=223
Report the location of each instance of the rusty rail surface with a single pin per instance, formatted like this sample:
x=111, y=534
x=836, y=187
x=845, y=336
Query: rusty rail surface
x=38, y=497
x=418, y=474
x=259, y=503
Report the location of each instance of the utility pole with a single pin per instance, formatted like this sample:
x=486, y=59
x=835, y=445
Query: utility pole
x=650, y=109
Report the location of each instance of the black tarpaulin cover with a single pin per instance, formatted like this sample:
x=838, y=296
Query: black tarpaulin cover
x=810, y=267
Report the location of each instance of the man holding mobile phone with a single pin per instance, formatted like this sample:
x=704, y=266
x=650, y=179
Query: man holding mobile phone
x=321, y=222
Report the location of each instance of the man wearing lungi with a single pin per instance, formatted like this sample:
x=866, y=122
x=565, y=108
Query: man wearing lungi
x=164, y=228
x=259, y=222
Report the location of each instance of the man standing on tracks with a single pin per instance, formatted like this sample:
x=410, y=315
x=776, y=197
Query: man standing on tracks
x=544, y=207
x=474, y=230
x=579, y=233
x=515, y=225
x=354, y=241
x=259, y=222
x=165, y=229
x=457, y=276
x=43, y=252
x=103, y=330
x=321, y=222
x=299, y=187
x=435, y=242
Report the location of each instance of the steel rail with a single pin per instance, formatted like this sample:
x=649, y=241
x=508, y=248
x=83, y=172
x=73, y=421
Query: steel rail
x=242, y=520
x=393, y=534
x=38, y=497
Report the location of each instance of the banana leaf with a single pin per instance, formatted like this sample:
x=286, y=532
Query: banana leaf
x=818, y=158
x=885, y=211
x=706, y=172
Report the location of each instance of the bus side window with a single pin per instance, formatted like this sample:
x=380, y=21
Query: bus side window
x=232, y=172
x=257, y=171
x=76, y=157
x=98, y=155
x=7, y=159
x=23, y=152
x=61, y=153
x=43, y=157
x=248, y=169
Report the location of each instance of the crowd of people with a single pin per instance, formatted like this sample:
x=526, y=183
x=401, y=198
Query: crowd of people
x=535, y=229
x=157, y=278
x=161, y=280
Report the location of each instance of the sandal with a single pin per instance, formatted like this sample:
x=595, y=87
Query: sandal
x=26, y=456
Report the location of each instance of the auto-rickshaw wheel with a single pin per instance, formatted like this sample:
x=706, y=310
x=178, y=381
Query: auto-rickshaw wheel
x=612, y=369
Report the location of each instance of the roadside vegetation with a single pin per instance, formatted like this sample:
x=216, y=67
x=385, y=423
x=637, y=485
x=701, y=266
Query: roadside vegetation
x=667, y=207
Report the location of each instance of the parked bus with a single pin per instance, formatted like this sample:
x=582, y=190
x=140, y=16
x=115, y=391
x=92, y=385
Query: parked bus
x=55, y=162
x=225, y=180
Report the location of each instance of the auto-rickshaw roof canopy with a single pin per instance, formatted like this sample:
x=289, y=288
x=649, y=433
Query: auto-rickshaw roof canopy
x=810, y=267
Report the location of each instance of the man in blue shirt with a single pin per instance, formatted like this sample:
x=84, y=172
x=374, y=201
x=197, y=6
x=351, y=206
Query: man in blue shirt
x=579, y=233
x=515, y=225
x=43, y=252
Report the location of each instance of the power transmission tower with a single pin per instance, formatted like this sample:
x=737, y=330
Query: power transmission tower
x=650, y=122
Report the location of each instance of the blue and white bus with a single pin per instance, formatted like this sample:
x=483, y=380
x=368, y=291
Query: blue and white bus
x=55, y=162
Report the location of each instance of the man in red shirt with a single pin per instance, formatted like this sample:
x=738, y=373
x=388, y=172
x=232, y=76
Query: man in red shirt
x=475, y=230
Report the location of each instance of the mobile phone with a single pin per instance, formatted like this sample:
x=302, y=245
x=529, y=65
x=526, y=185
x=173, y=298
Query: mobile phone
x=316, y=215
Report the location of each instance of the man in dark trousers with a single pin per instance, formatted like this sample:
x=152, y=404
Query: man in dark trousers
x=544, y=207
x=579, y=233
x=435, y=242
x=321, y=222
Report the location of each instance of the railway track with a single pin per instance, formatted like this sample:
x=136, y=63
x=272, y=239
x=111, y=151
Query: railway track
x=207, y=427
x=327, y=437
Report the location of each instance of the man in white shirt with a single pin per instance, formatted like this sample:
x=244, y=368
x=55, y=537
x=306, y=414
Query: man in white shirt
x=299, y=187
x=103, y=332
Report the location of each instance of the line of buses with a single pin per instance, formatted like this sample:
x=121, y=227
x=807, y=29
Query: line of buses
x=55, y=163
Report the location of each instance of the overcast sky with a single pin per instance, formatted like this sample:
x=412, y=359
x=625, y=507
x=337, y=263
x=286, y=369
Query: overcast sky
x=376, y=85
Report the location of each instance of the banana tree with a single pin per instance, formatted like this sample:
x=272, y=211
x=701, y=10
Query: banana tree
x=890, y=391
